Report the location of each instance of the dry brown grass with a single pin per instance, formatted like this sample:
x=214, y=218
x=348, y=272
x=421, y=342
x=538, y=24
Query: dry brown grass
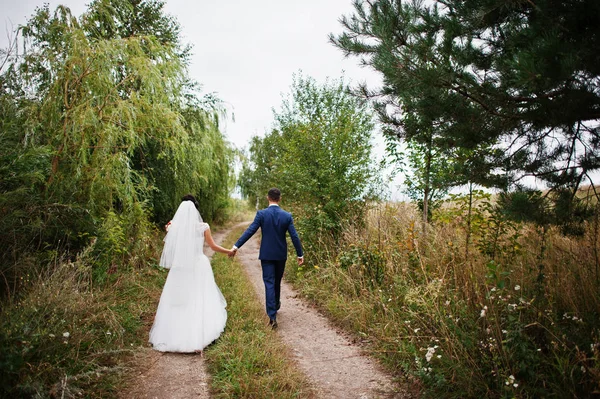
x=486, y=314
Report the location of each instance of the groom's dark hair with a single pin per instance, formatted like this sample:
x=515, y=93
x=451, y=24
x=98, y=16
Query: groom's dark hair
x=274, y=194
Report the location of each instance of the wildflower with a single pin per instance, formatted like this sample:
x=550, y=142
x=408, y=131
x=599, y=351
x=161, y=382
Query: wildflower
x=439, y=356
x=517, y=287
x=417, y=330
x=504, y=332
x=51, y=335
x=447, y=303
x=511, y=380
x=316, y=267
x=429, y=354
x=483, y=311
x=66, y=335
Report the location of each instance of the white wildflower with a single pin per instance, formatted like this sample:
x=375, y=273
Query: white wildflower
x=517, y=287
x=66, y=335
x=429, y=354
x=483, y=311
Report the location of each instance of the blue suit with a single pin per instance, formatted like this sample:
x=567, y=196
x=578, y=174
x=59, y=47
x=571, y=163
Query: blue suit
x=274, y=223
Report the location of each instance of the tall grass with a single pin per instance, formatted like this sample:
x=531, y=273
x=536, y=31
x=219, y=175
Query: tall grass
x=67, y=335
x=515, y=315
x=249, y=360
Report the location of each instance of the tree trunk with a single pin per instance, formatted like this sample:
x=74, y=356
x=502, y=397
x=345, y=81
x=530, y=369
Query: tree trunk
x=427, y=189
x=469, y=214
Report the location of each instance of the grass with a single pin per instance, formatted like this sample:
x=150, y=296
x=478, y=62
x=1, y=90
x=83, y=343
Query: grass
x=73, y=329
x=67, y=336
x=485, y=326
x=249, y=360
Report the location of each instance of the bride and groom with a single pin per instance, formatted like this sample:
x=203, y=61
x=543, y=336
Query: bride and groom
x=191, y=313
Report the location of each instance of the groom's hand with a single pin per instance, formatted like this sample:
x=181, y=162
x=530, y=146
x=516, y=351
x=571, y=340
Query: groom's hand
x=232, y=252
x=300, y=260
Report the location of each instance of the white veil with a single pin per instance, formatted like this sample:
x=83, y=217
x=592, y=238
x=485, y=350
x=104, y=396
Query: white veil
x=183, y=241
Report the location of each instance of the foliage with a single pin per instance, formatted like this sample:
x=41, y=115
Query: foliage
x=513, y=85
x=102, y=133
x=67, y=336
x=467, y=324
x=318, y=154
x=431, y=178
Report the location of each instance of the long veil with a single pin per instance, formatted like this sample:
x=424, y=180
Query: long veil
x=182, y=242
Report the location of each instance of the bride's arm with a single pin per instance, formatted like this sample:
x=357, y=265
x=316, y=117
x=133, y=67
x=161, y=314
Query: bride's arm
x=211, y=243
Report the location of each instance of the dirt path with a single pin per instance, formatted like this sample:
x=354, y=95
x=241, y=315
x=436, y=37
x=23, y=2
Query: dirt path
x=173, y=375
x=336, y=367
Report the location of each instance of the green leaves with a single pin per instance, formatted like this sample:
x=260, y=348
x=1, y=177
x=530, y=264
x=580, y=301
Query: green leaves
x=103, y=131
x=508, y=87
x=318, y=154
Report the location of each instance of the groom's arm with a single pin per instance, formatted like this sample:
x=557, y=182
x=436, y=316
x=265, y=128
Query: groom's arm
x=295, y=239
x=253, y=228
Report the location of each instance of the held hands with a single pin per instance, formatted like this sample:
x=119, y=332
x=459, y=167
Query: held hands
x=232, y=252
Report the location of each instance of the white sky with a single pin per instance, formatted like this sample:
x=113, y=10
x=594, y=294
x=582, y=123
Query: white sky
x=246, y=51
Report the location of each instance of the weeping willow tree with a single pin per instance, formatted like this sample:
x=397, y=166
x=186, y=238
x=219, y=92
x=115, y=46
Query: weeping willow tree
x=102, y=132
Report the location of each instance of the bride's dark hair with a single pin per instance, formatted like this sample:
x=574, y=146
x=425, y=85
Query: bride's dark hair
x=190, y=197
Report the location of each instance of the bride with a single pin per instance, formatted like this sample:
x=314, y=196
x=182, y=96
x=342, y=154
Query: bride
x=191, y=313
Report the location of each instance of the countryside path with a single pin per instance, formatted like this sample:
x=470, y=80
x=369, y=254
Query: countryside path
x=336, y=367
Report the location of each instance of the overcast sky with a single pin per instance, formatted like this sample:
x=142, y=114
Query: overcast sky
x=246, y=51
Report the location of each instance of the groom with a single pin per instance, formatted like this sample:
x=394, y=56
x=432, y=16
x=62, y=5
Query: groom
x=274, y=222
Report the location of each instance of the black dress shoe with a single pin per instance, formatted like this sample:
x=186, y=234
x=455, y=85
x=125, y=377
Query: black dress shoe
x=273, y=324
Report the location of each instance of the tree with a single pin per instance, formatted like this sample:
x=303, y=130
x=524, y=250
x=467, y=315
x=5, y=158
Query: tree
x=431, y=177
x=318, y=153
x=101, y=134
x=520, y=77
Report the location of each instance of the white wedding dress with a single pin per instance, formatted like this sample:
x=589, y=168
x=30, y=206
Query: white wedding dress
x=191, y=313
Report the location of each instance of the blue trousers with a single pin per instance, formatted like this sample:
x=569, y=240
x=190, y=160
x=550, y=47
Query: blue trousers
x=272, y=271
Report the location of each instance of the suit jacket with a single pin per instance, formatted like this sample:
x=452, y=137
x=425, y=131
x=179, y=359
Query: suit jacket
x=274, y=222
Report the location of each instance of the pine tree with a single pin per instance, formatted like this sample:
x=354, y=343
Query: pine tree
x=517, y=77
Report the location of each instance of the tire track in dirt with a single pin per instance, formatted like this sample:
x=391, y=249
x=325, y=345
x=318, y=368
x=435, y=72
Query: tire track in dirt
x=173, y=375
x=336, y=367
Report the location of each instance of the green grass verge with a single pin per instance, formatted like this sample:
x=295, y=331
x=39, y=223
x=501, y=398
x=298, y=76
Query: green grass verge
x=249, y=360
x=67, y=336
